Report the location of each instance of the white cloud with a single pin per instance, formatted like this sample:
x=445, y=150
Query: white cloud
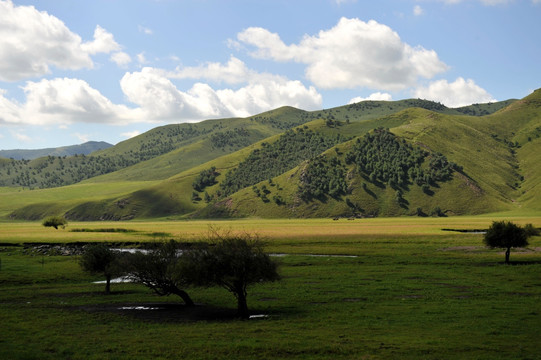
x=234, y=72
x=141, y=59
x=63, y=101
x=418, y=10
x=32, y=41
x=9, y=110
x=352, y=54
x=121, y=58
x=22, y=137
x=145, y=30
x=103, y=42
x=458, y=93
x=374, y=97
x=159, y=98
x=82, y=137
x=130, y=134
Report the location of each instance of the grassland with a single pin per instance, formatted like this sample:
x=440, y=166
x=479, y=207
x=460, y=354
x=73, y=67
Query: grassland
x=409, y=290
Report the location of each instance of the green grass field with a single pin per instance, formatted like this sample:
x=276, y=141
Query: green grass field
x=409, y=291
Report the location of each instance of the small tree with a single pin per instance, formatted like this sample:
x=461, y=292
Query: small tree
x=505, y=234
x=157, y=270
x=99, y=259
x=232, y=262
x=55, y=221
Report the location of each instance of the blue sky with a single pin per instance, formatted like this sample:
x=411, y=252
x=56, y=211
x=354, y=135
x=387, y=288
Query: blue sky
x=104, y=70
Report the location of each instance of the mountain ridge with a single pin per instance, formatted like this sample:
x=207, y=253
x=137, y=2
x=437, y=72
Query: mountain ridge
x=504, y=141
x=70, y=150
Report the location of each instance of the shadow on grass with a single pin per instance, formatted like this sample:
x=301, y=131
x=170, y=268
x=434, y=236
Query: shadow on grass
x=166, y=312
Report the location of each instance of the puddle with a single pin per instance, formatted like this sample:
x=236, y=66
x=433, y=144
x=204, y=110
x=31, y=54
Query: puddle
x=139, y=308
x=259, y=316
x=118, y=280
x=132, y=250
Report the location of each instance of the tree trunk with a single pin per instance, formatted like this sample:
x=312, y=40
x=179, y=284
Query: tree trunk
x=108, y=284
x=507, y=252
x=185, y=297
x=242, y=305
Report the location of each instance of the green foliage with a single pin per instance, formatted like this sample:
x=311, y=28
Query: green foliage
x=157, y=269
x=237, y=138
x=99, y=259
x=323, y=177
x=205, y=178
x=55, y=221
x=384, y=158
x=293, y=147
x=506, y=235
x=231, y=261
x=531, y=230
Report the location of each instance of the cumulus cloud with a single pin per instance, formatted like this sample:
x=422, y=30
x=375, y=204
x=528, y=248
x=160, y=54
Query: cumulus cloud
x=156, y=94
x=234, y=72
x=9, y=110
x=352, y=54
x=374, y=97
x=458, y=93
x=63, y=101
x=121, y=58
x=418, y=10
x=103, y=42
x=32, y=41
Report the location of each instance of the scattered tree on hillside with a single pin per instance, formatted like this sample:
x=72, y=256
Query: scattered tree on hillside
x=291, y=149
x=232, y=262
x=205, y=178
x=99, y=259
x=55, y=221
x=158, y=270
x=506, y=235
x=323, y=177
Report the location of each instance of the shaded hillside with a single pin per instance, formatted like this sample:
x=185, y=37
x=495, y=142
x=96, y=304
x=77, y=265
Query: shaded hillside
x=82, y=149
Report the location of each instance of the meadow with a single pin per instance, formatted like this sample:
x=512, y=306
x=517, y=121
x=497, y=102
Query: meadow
x=385, y=288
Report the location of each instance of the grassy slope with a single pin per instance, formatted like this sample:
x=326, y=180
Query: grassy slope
x=455, y=136
x=491, y=182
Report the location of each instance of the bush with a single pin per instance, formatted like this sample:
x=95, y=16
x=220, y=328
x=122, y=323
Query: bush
x=55, y=221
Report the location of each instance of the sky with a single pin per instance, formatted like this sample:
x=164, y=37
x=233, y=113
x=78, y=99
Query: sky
x=107, y=70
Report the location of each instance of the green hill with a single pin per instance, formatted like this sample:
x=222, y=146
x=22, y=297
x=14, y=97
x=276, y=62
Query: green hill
x=293, y=163
x=82, y=149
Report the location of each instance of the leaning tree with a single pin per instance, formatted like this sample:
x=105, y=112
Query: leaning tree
x=506, y=235
x=157, y=270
